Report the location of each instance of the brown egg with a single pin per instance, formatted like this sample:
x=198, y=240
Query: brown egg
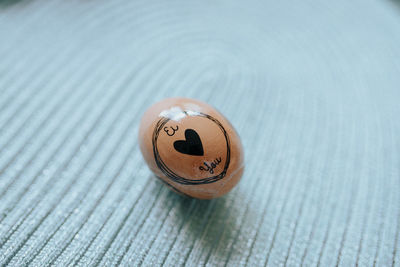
x=191, y=147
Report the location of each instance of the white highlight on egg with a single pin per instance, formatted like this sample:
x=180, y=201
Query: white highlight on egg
x=174, y=113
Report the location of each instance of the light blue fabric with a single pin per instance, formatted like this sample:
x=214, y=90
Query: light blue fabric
x=312, y=87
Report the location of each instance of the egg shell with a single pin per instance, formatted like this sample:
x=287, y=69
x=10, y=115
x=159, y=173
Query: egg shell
x=191, y=147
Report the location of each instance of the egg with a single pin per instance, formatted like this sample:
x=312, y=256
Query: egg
x=191, y=147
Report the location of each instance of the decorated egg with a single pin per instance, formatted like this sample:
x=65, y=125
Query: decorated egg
x=191, y=147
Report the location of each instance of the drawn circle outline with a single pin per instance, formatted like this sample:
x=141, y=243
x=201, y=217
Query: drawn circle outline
x=173, y=176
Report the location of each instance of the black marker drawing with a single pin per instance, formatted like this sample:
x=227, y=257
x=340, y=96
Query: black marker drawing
x=173, y=130
x=182, y=180
x=191, y=146
x=210, y=168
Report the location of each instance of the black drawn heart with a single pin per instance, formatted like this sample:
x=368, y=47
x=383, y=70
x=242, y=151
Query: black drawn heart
x=191, y=146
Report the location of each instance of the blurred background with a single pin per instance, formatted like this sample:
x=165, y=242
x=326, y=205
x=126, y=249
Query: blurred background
x=312, y=87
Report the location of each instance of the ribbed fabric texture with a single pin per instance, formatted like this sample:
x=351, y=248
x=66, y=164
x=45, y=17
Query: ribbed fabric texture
x=312, y=87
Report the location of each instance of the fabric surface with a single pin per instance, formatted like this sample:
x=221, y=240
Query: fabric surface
x=312, y=87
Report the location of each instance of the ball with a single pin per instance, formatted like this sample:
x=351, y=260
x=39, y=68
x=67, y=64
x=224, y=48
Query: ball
x=191, y=147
